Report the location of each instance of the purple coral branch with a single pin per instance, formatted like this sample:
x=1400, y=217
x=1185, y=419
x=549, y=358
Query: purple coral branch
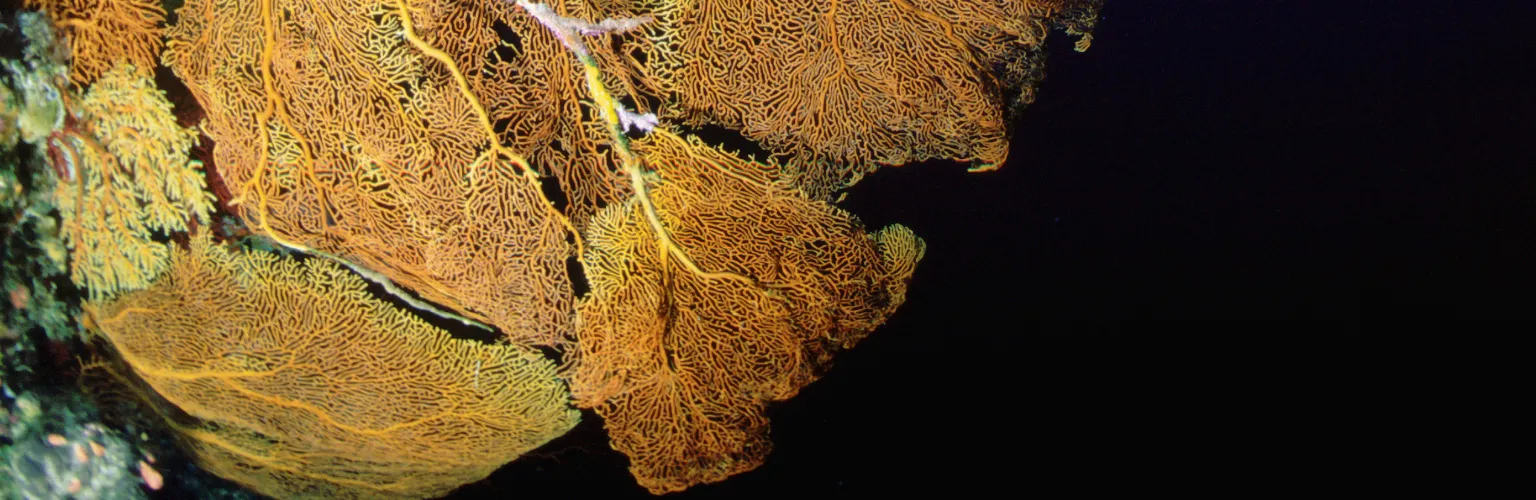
x=631, y=120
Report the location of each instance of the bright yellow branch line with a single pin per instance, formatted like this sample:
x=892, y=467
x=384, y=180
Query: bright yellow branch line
x=409, y=28
x=606, y=103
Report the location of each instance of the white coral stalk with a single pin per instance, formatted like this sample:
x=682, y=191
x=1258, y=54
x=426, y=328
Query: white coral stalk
x=568, y=29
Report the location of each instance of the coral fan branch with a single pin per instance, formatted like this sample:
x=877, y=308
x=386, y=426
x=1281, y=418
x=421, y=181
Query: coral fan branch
x=565, y=28
x=497, y=149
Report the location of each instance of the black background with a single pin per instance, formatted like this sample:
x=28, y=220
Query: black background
x=1188, y=276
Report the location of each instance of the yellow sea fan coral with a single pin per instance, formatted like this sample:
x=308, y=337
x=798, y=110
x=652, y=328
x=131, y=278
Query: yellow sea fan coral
x=103, y=33
x=681, y=365
x=301, y=384
x=127, y=180
x=850, y=84
x=368, y=129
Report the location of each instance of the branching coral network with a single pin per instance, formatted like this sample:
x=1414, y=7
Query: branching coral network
x=617, y=119
x=469, y=155
x=294, y=381
x=127, y=179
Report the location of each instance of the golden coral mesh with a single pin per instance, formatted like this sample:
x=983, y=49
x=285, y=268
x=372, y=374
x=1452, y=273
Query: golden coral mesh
x=127, y=183
x=104, y=33
x=299, y=383
x=680, y=365
x=848, y=86
x=389, y=134
x=422, y=140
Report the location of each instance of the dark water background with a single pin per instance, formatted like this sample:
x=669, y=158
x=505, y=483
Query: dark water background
x=1214, y=226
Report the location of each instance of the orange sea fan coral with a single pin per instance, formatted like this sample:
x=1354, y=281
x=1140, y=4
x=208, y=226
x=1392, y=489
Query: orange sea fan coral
x=402, y=136
x=850, y=84
x=103, y=33
x=127, y=179
x=533, y=91
x=391, y=134
x=298, y=383
x=681, y=365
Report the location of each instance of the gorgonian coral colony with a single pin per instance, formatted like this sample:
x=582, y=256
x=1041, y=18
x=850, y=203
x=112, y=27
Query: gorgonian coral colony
x=299, y=383
x=425, y=144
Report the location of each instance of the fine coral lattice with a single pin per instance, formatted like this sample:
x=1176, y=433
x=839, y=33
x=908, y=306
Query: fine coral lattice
x=488, y=155
x=681, y=365
x=103, y=33
x=847, y=85
x=350, y=127
x=298, y=383
x=126, y=180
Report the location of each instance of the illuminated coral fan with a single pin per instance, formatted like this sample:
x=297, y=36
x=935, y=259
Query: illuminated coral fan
x=104, y=33
x=850, y=84
x=355, y=139
x=299, y=383
x=475, y=152
x=127, y=180
x=682, y=365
